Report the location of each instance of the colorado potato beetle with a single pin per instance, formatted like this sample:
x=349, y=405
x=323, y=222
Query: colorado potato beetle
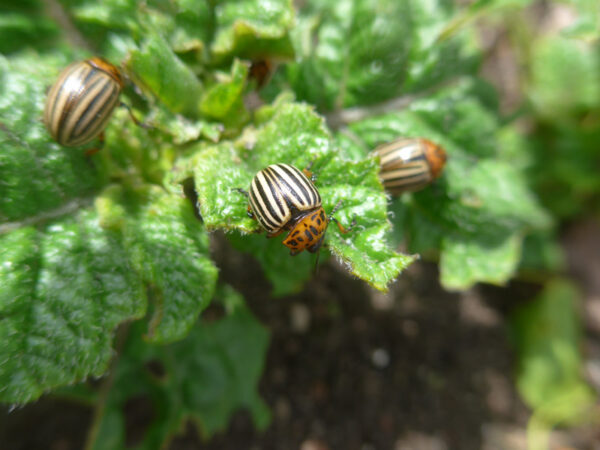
x=283, y=198
x=409, y=164
x=81, y=101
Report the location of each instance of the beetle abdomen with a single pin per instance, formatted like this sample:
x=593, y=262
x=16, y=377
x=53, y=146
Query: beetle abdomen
x=80, y=103
x=409, y=164
x=278, y=192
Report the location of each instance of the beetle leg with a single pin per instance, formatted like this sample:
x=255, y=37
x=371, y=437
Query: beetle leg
x=339, y=225
x=342, y=229
x=276, y=233
x=136, y=121
x=93, y=151
x=245, y=194
x=316, y=268
x=310, y=175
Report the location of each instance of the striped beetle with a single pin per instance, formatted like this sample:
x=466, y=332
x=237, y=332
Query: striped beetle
x=409, y=164
x=284, y=198
x=81, y=101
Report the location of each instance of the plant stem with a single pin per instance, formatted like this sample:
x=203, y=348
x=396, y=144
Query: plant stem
x=92, y=434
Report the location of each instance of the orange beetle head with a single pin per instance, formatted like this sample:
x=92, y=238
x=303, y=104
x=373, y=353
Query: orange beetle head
x=307, y=232
x=105, y=66
x=436, y=157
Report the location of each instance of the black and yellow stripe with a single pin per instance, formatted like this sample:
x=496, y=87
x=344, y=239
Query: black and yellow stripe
x=404, y=166
x=80, y=103
x=278, y=192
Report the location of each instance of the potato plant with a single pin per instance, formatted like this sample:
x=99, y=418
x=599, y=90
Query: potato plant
x=105, y=261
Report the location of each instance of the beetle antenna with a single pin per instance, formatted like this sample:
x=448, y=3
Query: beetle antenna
x=341, y=227
x=100, y=146
x=245, y=194
x=335, y=208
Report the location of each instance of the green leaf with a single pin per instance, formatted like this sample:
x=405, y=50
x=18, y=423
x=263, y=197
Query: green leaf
x=416, y=227
x=297, y=136
x=252, y=29
x=587, y=24
x=436, y=59
x=464, y=113
x=490, y=197
x=192, y=26
x=366, y=251
x=64, y=292
x=542, y=253
x=169, y=248
x=204, y=378
x=24, y=24
x=357, y=46
x=561, y=62
x=564, y=171
x=115, y=14
x=156, y=67
x=465, y=262
x=67, y=287
x=183, y=130
x=546, y=333
x=111, y=28
x=224, y=100
x=37, y=175
x=490, y=207
x=116, y=26
x=360, y=52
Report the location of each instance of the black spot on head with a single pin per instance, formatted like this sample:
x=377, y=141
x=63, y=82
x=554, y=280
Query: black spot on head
x=313, y=217
x=314, y=230
x=322, y=215
x=293, y=242
x=308, y=235
x=295, y=233
x=319, y=222
x=300, y=239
